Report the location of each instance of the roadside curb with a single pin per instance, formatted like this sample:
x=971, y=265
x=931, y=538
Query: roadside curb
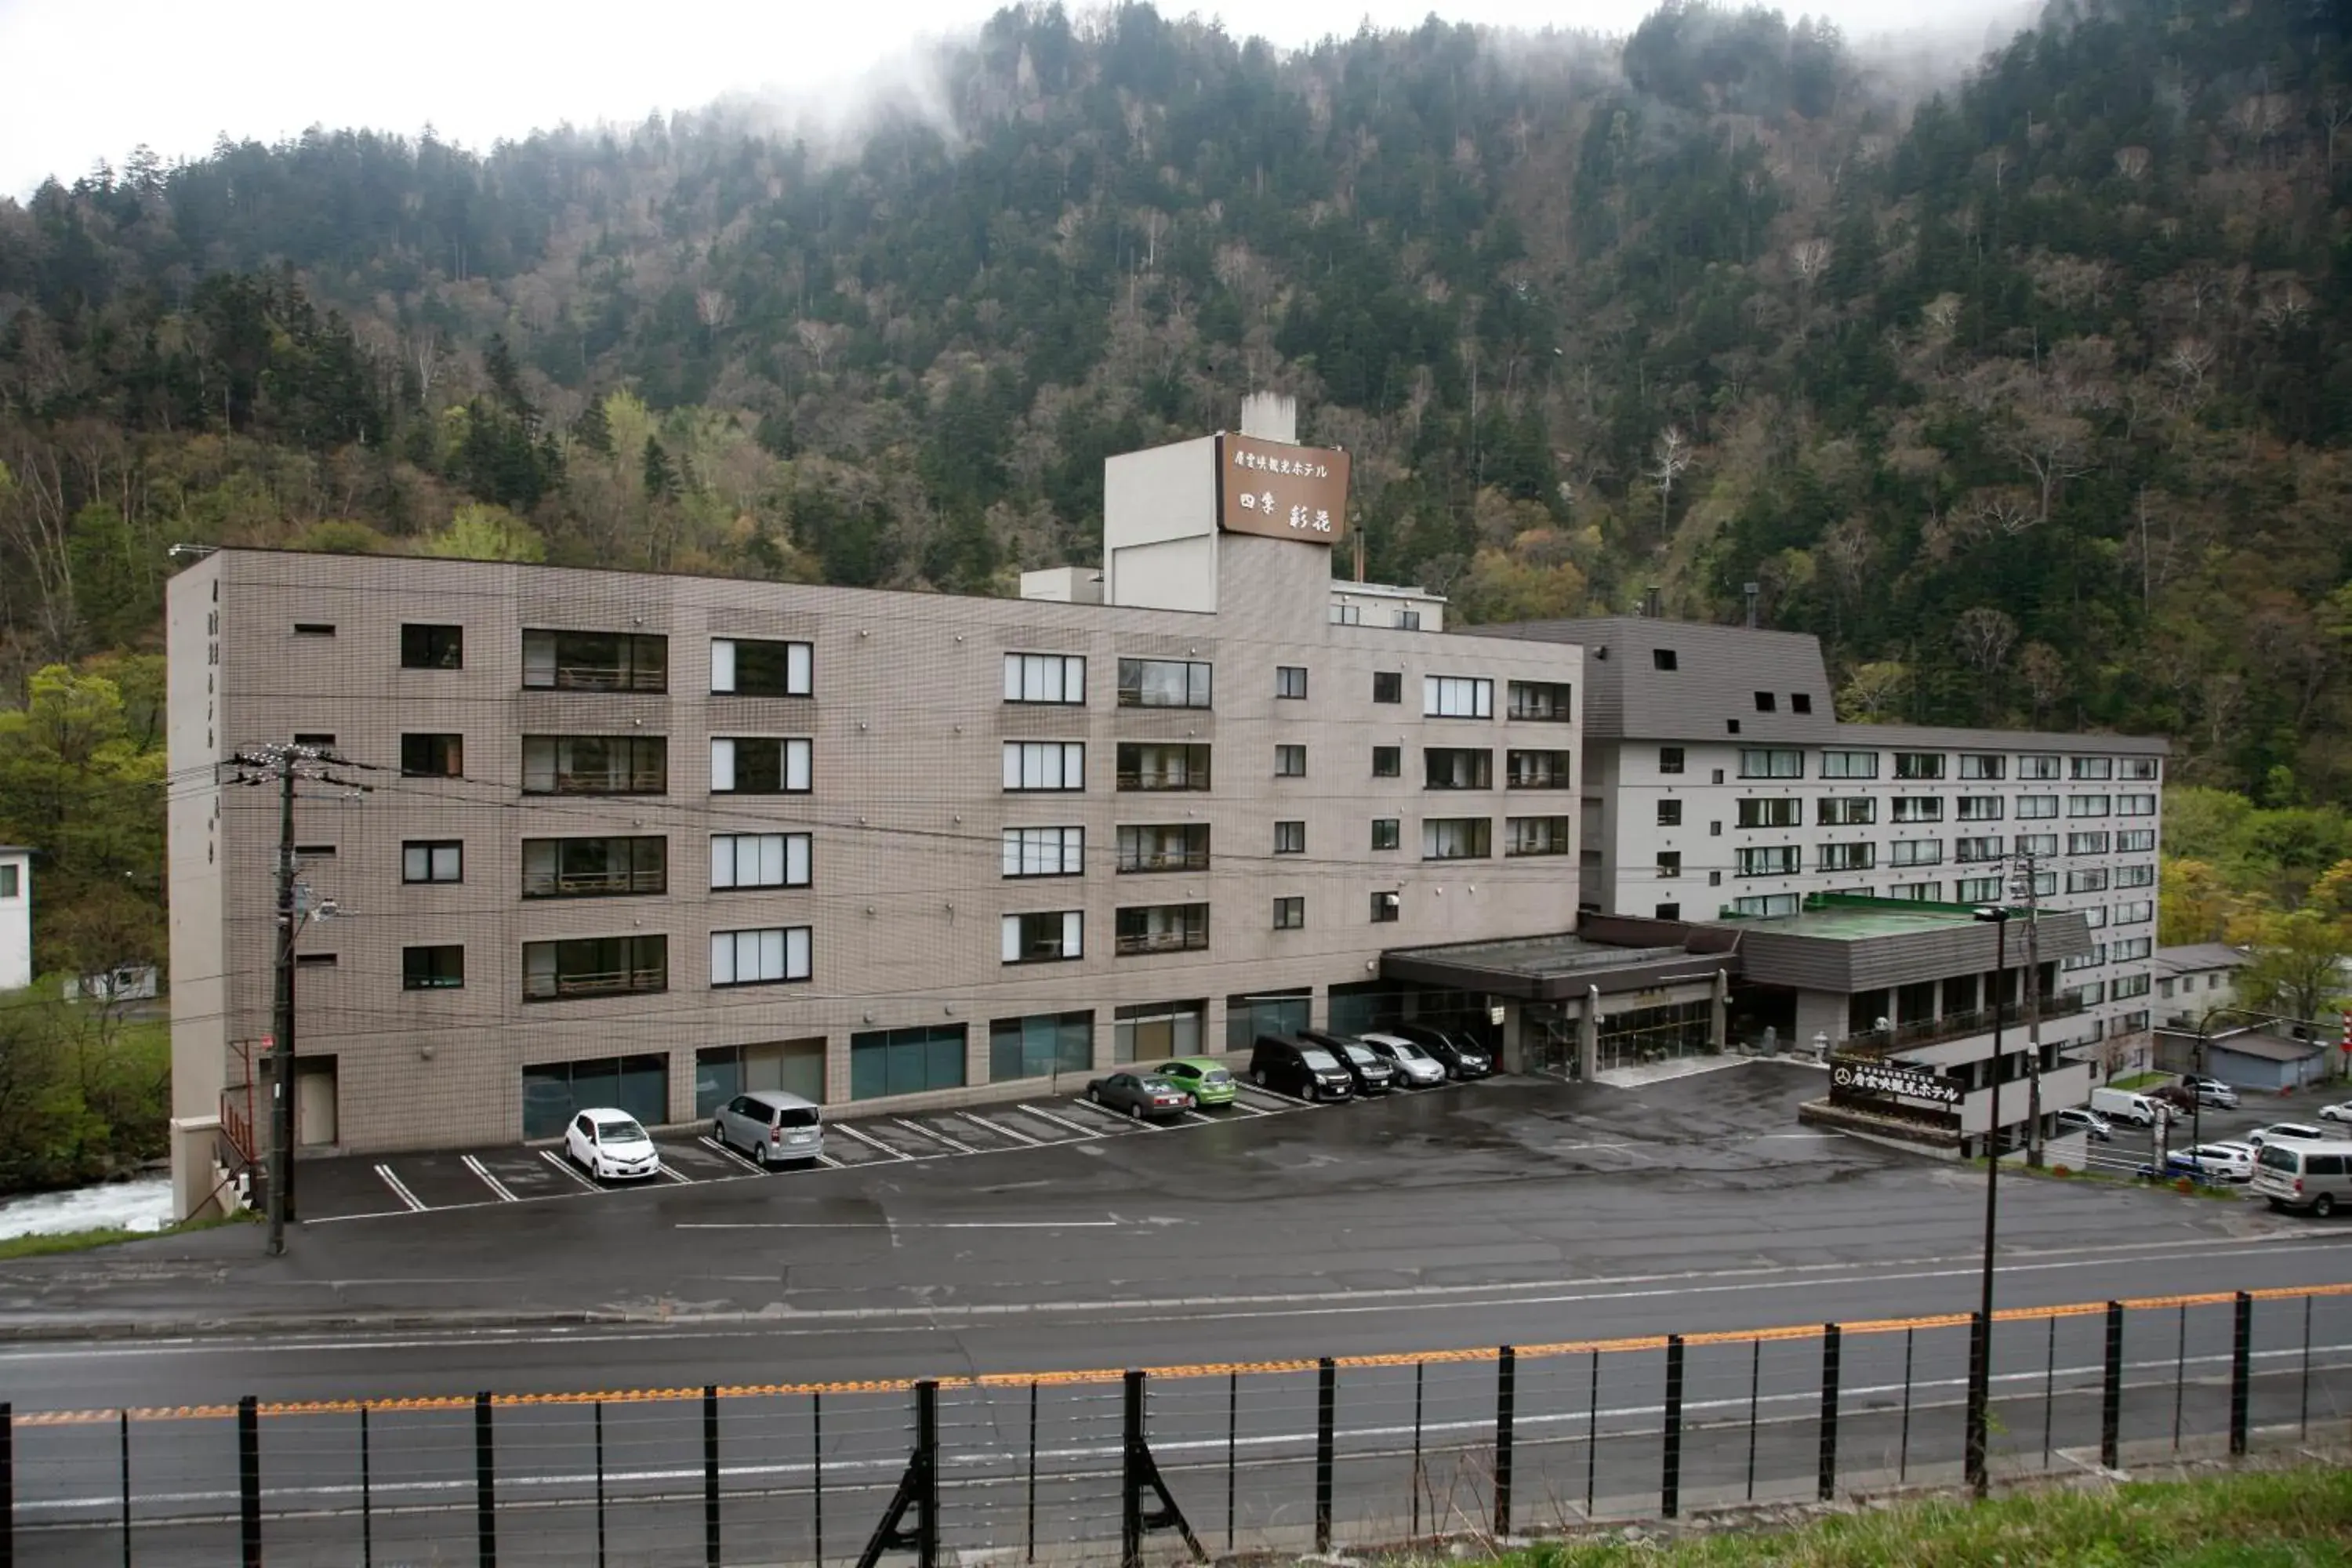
x=319, y=1322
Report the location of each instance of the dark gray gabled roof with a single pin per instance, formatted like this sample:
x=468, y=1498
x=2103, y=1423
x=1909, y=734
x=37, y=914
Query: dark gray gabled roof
x=1717, y=673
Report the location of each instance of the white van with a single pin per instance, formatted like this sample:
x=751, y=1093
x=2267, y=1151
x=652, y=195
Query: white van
x=2122, y=1105
x=2298, y=1176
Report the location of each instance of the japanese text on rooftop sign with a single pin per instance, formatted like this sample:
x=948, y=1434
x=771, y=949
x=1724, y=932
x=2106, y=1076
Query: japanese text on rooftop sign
x=1281, y=491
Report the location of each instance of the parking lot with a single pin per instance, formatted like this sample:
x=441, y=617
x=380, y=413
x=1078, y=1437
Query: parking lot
x=372, y=1187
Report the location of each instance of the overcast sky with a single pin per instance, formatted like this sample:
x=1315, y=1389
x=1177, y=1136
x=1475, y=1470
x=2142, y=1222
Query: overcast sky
x=86, y=79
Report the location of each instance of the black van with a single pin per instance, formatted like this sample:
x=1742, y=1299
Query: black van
x=1292, y=1066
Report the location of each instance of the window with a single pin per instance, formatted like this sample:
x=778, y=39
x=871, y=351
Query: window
x=1538, y=770
x=315, y=739
x=431, y=861
x=759, y=765
x=758, y=860
x=1163, y=683
x=1670, y=759
x=2137, y=768
x=1769, y=861
x=2095, y=917
x=2135, y=805
x=1040, y=1045
x=772, y=955
x=1158, y=766
x=432, y=756
x=431, y=648
x=2142, y=876
x=1291, y=838
x=2131, y=1022
x=2089, y=996
x=1977, y=891
x=2039, y=844
x=2090, y=881
x=2045, y=884
x=1916, y=852
x=1174, y=846
x=2135, y=840
x=2082, y=960
x=1846, y=810
x=744, y=668
x=314, y=628
x=1979, y=808
x=1980, y=765
x=1758, y=764
x=2136, y=947
x=1918, y=808
x=1290, y=914
x=1715, y=879
x=1847, y=858
x=1456, y=838
x=1670, y=814
x=1977, y=849
x=1662, y=659
x=1049, y=765
x=1766, y=702
x=1151, y=1031
x=1386, y=907
x=1290, y=682
x=11, y=881
x=1290, y=761
x=1456, y=697
x=1670, y=864
x=2135, y=913
x=884, y=1062
x=1163, y=928
x=1849, y=765
x=1046, y=678
x=1347, y=615
x=1786, y=811
x=2086, y=844
x=1388, y=761
x=1045, y=852
x=595, y=967
x=1541, y=701
x=438, y=968
x=1767, y=905
x=2093, y=768
x=1919, y=765
x=1408, y=620
x=2086, y=805
x=1049, y=938
x=1458, y=767
x=2037, y=767
x=595, y=765
x=2126, y=985
x=1388, y=686
x=594, y=661
x=595, y=868
x=1801, y=702
x=1535, y=836
x=2037, y=805
x=1731, y=726
x=1917, y=892
x=1385, y=832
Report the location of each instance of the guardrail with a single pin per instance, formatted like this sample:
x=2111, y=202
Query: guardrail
x=1089, y=1466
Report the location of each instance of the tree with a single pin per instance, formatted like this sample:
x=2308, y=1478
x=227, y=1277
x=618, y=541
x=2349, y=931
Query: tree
x=1670, y=459
x=480, y=532
x=1984, y=637
x=2041, y=671
x=2193, y=902
x=2296, y=961
x=1875, y=693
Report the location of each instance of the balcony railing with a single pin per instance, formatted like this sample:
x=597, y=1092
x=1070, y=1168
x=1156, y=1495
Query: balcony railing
x=596, y=983
x=573, y=675
x=1957, y=1026
x=1162, y=941
x=622, y=781
x=591, y=884
x=1170, y=860
x=1149, y=782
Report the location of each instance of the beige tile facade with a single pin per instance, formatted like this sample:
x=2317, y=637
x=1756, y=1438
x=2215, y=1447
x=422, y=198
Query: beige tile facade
x=906, y=811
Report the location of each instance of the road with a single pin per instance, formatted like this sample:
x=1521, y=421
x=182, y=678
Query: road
x=1527, y=1213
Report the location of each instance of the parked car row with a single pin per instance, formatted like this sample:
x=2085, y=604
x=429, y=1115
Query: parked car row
x=1314, y=1064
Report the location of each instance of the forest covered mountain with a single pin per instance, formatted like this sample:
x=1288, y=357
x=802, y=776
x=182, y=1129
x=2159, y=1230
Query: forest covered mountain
x=2032, y=399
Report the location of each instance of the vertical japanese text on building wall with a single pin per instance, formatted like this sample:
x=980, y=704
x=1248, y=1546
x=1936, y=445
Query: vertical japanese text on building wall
x=1281, y=491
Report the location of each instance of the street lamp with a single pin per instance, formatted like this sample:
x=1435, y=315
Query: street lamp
x=1980, y=1334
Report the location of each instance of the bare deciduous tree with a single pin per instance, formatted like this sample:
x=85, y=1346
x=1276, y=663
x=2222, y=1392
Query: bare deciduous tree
x=2043, y=673
x=1984, y=636
x=1670, y=458
x=2133, y=163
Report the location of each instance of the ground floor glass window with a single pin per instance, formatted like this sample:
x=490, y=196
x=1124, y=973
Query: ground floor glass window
x=905, y=1061
x=552, y=1092
x=1040, y=1046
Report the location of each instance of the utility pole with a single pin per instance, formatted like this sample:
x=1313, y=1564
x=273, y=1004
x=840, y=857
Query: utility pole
x=2022, y=889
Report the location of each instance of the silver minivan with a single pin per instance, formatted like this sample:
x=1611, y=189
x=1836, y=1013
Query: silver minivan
x=770, y=1127
x=2293, y=1174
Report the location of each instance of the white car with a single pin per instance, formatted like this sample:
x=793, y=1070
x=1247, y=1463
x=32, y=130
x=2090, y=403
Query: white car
x=2300, y=1131
x=2223, y=1161
x=1412, y=1064
x=610, y=1146
x=2342, y=1112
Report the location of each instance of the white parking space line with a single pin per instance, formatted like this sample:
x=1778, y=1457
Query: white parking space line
x=870, y=1142
x=919, y=1129
x=829, y=1163
x=1246, y=1108
x=568, y=1168
x=1022, y=1138
x=726, y=1154
x=400, y=1189
x=1061, y=1122
x=1196, y=1116
x=1115, y=1116
x=669, y=1172
x=1277, y=1094
x=475, y=1165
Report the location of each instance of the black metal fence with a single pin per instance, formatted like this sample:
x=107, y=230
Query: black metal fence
x=1173, y=1461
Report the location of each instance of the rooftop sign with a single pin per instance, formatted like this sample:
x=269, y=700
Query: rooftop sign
x=1281, y=491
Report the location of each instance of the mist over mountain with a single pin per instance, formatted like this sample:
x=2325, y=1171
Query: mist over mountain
x=2031, y=397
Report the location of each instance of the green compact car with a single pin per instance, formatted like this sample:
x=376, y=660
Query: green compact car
x=1207, y=1082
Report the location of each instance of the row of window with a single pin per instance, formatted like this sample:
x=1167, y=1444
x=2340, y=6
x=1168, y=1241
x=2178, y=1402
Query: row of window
x=1789, y=762
x=1787, y=860
x=607, y=866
